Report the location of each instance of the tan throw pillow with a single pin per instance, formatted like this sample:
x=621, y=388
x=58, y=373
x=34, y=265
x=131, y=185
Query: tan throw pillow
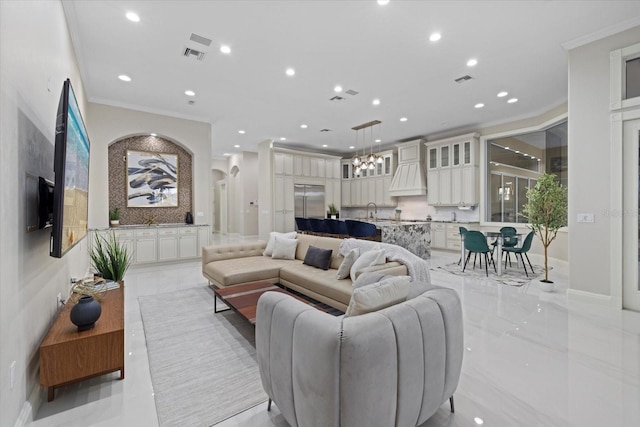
x=284, y=248
x=378, y=295
x=268, y=251
x=347, y=262
x=367, y=259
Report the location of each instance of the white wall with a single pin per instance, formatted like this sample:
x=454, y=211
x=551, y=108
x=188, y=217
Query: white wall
x=36, y=56
x=590, y=244
x=106, y=124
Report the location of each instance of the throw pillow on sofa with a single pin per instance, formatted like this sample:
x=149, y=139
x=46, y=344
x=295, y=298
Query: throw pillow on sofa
x=268, y=251
x=366, y=259
x=347, y=262
x=316, y=257
x=284, y=248
x=379, y=295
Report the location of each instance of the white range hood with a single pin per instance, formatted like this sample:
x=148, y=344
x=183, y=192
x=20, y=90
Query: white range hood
x=409, y=179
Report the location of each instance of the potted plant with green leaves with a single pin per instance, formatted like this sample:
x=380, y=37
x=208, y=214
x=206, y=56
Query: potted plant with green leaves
x=110, y=257
x=333, y=212
x=114, y=217
x=546, y=211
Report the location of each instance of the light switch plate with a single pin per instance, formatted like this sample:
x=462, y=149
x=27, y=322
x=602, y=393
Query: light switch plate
x=586, y=217
x=199, y=213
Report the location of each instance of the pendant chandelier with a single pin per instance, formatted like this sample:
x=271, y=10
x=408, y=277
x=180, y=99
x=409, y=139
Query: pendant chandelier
x=366, y=161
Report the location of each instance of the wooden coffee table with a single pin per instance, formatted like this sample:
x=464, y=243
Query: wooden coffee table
x=244, y=298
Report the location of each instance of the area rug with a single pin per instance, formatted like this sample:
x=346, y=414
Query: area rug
x=511, y=276
x=203, y=365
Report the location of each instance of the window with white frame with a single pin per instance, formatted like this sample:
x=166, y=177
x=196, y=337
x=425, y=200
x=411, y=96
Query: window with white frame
x=514, y=164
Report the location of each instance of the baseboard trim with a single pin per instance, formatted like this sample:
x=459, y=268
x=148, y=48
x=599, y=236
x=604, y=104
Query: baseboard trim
x=589, y=297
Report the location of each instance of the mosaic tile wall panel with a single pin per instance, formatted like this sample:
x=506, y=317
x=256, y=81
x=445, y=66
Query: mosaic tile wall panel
x=118, y=181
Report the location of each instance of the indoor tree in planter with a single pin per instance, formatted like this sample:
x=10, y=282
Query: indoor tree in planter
x=109, y=257
x=546, y=211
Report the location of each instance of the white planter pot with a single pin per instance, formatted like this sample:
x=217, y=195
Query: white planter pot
x=547, y=287
x=114, y=223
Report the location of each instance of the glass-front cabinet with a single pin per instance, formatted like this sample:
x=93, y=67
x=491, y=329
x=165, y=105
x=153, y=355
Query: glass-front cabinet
x=452, y=171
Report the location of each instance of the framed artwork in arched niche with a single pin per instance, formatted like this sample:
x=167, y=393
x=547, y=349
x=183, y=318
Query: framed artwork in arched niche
x=119, y=179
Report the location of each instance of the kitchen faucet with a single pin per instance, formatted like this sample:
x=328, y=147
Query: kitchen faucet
x=375, y=211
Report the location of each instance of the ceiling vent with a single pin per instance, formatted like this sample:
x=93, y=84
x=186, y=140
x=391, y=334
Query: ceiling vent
x=352, y=92
x=191, y=102
x=188, y=52
x=336, y=98
x=463, y=79
x=325, y=130
x=199, y=39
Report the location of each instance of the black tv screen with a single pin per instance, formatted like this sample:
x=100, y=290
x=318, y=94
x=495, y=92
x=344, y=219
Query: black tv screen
x=71, y=168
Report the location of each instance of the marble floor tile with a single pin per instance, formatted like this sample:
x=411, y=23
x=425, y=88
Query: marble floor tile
x=531, y=359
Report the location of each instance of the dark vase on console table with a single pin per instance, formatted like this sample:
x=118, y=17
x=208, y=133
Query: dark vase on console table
x=85, y=313
x=189, y=218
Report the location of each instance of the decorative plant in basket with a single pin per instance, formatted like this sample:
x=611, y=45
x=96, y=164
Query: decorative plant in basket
x=333, y=211
x=546, y=211
x=114, y=217
x=109, y=257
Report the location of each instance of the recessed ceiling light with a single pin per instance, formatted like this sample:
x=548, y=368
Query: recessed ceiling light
x=152, y=134
x=478, y=421
x=124, y=78
x=512, y=100
x=241, y=132
x=517, y=152
x=304, y=126
x=290, y=72
x=237, y=146
x=226, y=154
x=403, y=119
x=376, y=102
x=325, y=145
x=383, y=2
x=133, y=17
x=351, y=147
x=377, y=140
x=502, y=94
x=435, y=37
x=479, y=105
x=472, y=62
x=189, y=93
x=225, y=49
x=506, y=148
x=338, y=88
x=283, y=139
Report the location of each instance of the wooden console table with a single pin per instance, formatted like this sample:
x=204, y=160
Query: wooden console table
x=68, y=356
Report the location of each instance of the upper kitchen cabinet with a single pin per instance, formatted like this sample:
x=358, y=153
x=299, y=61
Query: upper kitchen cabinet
x=452, y=171
x=371, y=185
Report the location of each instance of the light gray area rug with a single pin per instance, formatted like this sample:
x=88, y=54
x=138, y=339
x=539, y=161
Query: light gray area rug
x=203, y=365
x=511, y=276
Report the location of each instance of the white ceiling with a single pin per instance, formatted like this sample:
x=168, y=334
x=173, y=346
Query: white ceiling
x=379, y=51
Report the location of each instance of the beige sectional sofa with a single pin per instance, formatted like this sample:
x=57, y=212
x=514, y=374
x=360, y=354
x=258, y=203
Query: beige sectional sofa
x=228, y=265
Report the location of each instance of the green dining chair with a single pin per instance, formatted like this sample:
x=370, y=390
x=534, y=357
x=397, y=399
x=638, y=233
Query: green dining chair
x=509, y=240
x=463, y=232
x=476, y=242
x=522, y=250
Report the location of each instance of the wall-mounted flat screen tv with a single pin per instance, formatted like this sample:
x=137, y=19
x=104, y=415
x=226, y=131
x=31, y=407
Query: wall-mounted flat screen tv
x=71, y=168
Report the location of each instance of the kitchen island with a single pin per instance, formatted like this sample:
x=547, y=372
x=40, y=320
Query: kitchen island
x=415, y=236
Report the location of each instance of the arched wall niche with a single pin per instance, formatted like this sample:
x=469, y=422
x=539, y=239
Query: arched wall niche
x=118, y=180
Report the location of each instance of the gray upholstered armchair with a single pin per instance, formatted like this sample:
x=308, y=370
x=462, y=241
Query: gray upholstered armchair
x=393, y=367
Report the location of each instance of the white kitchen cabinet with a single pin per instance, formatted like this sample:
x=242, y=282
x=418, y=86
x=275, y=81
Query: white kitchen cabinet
x=346, y=194
x=438, y=235
x=297, y=165
x=283, y=203
x=167, y=244
x=283, y=164
x=332, y=191
x=452, y=177
x=188, y=243
x=146, y=242
x=204, y=236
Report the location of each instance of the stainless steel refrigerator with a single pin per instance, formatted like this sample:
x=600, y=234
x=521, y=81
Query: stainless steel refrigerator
x=309, y=201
